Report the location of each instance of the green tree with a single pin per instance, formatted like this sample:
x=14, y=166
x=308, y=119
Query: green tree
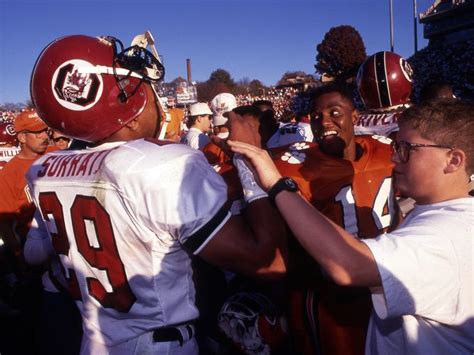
x=256, y=87
x=289, y=75
x=242, y=87
x=340, y=53
x=222, y=76
x=29, y=104
x=208, y=89
x=178, y=80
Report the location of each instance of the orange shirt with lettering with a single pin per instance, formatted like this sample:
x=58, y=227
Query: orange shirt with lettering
x=15, y=201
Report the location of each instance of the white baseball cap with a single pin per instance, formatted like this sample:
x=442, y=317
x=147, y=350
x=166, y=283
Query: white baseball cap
x=199, y=109
x=221, y=104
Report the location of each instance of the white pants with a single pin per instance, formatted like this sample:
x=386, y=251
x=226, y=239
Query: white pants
x=143, y=344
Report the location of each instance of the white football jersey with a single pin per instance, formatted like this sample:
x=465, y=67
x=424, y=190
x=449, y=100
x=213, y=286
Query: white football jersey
x=378, y=123
x=291, y=133
x=124, y=219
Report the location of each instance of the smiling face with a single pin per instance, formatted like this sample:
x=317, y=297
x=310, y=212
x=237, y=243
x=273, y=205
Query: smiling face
x=333, y=117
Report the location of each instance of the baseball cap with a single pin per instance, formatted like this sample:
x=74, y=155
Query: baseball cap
x=29, y=120
x=199, y=109
x=221, y=104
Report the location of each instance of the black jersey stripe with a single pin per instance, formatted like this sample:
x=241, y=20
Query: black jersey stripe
x=382, y=80
x=197, y=239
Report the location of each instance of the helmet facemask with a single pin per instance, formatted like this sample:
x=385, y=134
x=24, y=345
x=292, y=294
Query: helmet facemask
x=137, y=60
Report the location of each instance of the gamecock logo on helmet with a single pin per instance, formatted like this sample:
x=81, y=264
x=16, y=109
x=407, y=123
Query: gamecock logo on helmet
x=406, y=69
x=75, y=89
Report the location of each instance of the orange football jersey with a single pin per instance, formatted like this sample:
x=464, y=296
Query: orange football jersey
x=214, y=154
x=357, y=195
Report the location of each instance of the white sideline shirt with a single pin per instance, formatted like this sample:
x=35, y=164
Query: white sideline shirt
x=195, y=138
x=426, y=304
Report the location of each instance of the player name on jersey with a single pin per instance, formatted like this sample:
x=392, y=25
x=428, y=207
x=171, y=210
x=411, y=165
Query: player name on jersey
x=377, y=119
x=382, y=123
x=83, y=164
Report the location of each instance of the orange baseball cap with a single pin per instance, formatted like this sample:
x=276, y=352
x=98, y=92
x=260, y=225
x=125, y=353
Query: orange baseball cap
x=29, y=120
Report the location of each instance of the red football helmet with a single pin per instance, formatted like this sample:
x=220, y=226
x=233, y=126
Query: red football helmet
x=88, y=87
x=7, y=134
x=384, y=80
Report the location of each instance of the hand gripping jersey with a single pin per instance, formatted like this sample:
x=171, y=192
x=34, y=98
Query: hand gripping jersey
x=358, y=196
x=123, y=217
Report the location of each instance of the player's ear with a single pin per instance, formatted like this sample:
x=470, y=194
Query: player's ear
x=133, y=125
x=355, y=116
x=456, y=160
x=21, y=136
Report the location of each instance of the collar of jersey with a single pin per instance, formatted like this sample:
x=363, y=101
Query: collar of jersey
x=104, y=146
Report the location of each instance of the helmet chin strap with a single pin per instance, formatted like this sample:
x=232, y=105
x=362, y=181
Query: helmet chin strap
x=164, y=114
x=146, y=40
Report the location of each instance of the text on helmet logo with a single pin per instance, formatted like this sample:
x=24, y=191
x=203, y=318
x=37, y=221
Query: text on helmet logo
x=74, y=88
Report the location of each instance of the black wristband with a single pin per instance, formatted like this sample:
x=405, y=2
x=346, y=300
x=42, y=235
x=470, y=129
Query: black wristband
x=284, y=184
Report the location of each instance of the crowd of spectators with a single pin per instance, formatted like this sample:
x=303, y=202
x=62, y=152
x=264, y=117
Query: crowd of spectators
x=282, y=98
x=8, y=115
x=448, y=63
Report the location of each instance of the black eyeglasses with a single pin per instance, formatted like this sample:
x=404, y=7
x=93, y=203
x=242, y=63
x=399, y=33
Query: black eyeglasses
x=36, y=133
x=403, y=148
x=61, y=138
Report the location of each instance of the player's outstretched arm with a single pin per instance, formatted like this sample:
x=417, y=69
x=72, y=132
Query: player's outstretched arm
x=347, y=260
x=253, y=244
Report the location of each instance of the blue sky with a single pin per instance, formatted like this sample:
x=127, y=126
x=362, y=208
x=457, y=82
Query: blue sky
x=257, y=39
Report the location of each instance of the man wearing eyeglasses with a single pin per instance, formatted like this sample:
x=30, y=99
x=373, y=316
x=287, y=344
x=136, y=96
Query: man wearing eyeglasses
x=420, y=275
x=16, y=213
x=16, y=206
